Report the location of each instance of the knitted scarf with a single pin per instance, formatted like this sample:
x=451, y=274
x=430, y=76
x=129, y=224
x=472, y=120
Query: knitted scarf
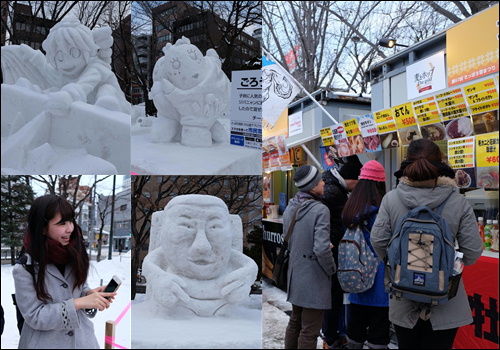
x=56, y=252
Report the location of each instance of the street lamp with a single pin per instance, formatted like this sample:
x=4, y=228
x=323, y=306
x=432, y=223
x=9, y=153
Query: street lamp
x=387, y=42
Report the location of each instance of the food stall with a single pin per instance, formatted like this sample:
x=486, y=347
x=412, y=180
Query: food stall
x=423, y=91
x=445, y=88
x=293, y=140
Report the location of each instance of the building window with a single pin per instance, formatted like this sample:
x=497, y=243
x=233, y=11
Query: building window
x=123, y=207
x=163, y=38
x=169, y=11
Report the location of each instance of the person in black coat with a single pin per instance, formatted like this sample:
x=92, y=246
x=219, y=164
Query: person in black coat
x=338, y=184
x=2, y=319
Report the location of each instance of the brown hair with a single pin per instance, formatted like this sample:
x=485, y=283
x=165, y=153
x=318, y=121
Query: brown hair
x=42, y=210
x=425, y=156
x=357, y=208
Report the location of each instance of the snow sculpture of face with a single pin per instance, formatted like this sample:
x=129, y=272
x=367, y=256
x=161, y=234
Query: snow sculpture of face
x=197, y=236
x=183, y=65
x=69, y=47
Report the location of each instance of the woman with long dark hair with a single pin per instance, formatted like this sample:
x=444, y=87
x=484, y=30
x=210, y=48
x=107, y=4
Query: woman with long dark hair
x=426, y=179
x=51, y=280
x=369, y=310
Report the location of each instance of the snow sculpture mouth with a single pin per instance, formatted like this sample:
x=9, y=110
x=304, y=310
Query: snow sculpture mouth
x=202, y=262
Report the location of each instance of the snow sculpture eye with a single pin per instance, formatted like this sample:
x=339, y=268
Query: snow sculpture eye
x=60, y=56
x=192, y=54
x=75, y=52
x=176, y=63
x=186, y=225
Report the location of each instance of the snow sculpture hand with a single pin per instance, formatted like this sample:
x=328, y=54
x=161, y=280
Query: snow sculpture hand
x=212, y=105
x=59, y=103
x=169, y=290
x=236, y=284
x=167, y=86
x=75, y=91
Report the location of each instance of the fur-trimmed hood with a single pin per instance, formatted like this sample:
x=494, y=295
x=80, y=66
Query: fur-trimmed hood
x=441, y=181
x=430, y=193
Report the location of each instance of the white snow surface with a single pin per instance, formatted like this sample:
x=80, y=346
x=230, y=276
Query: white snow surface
x=173, y=158
x=241, y=330
x=102, y=271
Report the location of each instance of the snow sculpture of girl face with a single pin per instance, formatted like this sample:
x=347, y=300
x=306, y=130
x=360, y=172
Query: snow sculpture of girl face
x=183, y=65
x=69, y=47
x=197, y=237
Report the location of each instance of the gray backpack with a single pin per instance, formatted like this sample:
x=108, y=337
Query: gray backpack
x=358, y=265
x=420, y=255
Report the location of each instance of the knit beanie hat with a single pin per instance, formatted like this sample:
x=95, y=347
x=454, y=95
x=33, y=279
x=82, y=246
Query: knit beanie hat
x=306, y=178
x=350, y=170
x=372, y=170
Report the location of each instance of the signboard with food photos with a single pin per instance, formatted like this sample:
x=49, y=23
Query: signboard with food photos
x=460, y=120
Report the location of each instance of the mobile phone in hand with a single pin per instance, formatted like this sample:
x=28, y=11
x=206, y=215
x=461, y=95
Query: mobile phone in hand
x=113, y=285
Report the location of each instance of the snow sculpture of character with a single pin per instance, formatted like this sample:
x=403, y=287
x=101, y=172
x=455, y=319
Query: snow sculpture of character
x=190, y=92
x=198, y=266
x=75, y=68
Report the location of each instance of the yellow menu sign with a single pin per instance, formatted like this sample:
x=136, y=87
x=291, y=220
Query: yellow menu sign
x=403, y=115
x=351, y=127
x=461, y=152
x=487, y=149
x=429, y=116
x=484, y=107
x=326, y=136
x=484, y=96
x=451, y=101
x=478, y=87
x=454, y=112
x=382, y=116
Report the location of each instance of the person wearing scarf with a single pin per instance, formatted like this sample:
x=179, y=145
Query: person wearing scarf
x=50, y=279
x=311, y=263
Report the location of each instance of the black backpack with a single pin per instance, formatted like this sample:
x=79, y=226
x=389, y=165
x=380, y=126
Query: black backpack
x=19, y=316
x=20, y=319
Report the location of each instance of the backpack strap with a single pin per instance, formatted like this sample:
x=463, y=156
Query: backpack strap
x=292, y=224
x=441, y=206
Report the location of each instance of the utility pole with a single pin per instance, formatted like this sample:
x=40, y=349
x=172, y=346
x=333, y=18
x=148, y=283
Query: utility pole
x=90, y=223
x=110, y=242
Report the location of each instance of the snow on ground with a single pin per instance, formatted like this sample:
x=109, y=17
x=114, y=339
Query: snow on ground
x=241, y=330
x=173, y=158
x=102, y=271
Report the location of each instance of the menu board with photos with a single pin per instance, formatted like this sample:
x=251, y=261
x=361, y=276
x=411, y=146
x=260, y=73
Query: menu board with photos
x=454, y=119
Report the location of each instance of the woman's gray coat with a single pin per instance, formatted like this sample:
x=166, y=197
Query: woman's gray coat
x=459, y=215
x=55, y=324
x=311, y=263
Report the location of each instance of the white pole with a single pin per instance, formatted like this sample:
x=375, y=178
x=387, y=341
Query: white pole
x=301, y=87
x=311, y=156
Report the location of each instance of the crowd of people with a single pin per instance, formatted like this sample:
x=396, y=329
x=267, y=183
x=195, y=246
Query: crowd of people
x=355, y=195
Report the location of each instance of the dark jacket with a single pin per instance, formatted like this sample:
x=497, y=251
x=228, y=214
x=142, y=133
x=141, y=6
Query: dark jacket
x=334, y=197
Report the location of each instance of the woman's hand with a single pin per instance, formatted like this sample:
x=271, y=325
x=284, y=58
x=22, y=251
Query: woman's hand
x=99, y=290
x=95, y=299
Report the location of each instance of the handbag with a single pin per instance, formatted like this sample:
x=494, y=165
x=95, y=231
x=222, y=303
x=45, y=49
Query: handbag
x=280, y=269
